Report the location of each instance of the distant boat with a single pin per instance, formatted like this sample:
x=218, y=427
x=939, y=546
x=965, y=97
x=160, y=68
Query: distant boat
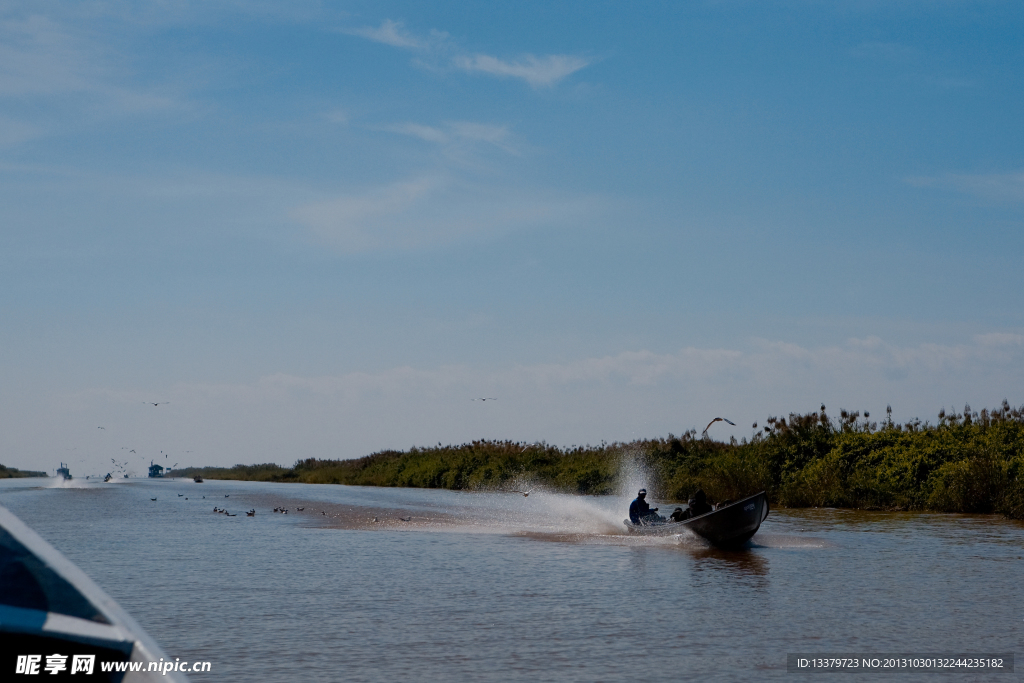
x=729, y=526
x=155, y=471
x=106, y=478
x=63, y=471
x=197, y=479
x=49, y=605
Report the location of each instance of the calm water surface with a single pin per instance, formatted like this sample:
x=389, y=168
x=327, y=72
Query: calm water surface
x=502, y=587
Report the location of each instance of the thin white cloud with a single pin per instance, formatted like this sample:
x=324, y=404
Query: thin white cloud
x=542, y=71
x=457, y=133
x=391, y=33
x=537, y=71
x=416, y=130
x=496, y=135
x=994, y=186
x=434, y=209
x=338, y=116
x=42, y=58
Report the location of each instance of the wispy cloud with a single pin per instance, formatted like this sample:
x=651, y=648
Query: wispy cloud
x=434, y=209
x=995, y=186
x=457, y=133
x=338, y=116
x=537, y=71
x=417, y=130
x=391, y=33
x=44, y=59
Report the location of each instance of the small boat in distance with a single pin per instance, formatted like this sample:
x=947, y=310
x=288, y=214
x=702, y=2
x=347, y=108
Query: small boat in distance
x=197, y=479
x=63, y=471
x=729, y=526
x=107, y=478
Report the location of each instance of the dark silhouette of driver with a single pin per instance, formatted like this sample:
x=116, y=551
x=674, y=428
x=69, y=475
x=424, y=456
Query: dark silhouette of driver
x=642, y=513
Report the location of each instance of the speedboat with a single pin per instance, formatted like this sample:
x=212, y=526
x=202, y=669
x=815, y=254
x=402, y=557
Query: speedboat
x=55, y=621
x=728, y=526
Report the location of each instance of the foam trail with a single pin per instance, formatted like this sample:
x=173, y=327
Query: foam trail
x=62, y=483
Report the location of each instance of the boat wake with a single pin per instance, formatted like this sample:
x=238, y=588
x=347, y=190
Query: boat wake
x=520, y=508
x=62, y=483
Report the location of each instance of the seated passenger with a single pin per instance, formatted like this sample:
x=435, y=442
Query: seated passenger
x=642, y=513
x=678, y=515
x=699, y=504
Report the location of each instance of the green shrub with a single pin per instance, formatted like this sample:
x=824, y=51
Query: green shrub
x=967, y=462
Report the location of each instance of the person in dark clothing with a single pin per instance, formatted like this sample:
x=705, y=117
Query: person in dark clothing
x=699, y=504
x=678, y=515
x=642, y=513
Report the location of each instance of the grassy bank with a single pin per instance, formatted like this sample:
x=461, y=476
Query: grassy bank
x=966, y=462
x=12, y=473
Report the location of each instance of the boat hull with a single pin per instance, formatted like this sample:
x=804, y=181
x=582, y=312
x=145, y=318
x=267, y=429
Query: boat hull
x=727, y=527
x=50, y=609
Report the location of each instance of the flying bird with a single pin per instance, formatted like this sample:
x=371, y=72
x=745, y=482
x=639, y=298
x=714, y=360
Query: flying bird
x=717, y=419
x=150, y=403
x=489, y=398
x=101, y=428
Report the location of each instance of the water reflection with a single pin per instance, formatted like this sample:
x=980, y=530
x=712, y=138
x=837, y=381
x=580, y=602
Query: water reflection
x=743, y=562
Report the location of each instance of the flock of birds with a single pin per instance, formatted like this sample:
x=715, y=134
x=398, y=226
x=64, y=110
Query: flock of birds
x=284, y=511
x=124, y=468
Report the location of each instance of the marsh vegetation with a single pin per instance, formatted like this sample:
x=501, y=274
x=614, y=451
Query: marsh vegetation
x=12, y=473
x=965, y=462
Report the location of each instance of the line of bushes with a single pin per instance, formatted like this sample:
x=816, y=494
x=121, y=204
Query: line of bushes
x=966, y=462
x=12, y=473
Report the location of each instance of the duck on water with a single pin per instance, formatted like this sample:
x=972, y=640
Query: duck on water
x=729, y=524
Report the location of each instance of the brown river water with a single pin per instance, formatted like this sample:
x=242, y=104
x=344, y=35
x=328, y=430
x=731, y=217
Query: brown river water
x=369, y=584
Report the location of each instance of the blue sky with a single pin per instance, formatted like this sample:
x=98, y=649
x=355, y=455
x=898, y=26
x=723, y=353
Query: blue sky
x=321, y=229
